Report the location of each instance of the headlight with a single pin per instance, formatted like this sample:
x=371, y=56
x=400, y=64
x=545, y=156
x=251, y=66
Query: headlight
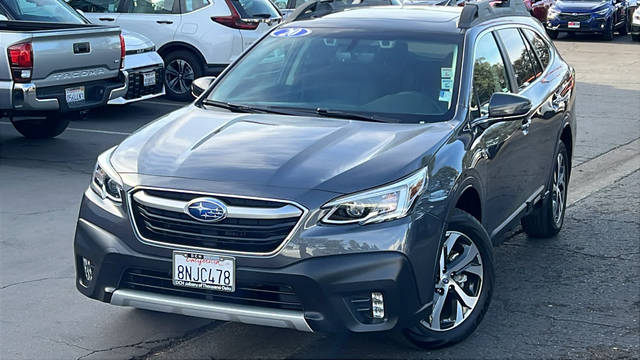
x=604, y=11
x=381, y=204
x=105, y=181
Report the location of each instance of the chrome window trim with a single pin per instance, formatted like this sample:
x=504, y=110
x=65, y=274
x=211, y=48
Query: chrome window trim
x=304, y=212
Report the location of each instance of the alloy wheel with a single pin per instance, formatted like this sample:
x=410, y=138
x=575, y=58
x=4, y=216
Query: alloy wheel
x=559, y=189
x=458, y=284
x=179, y=75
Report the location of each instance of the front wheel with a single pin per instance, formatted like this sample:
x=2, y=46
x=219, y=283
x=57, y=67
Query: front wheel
x=635, y=37
x=547, y=218
x=623, y=30
x=608, y=33
x=553, y=34
x=42, y=128
x=464, y=285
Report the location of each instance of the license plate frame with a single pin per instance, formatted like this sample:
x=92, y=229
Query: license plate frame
x=573, y=24
x=213, y=266
x=75, y=95
x=149, y=79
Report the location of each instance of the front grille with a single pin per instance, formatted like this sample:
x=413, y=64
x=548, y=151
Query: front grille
x=271, y=295
x=574, y=17
x=136, y=84
x=261, y=235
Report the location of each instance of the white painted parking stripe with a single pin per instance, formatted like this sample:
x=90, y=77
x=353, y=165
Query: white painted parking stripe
x=106, y=132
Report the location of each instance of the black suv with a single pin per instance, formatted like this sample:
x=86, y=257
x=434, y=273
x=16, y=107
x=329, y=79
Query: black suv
x=347, y=173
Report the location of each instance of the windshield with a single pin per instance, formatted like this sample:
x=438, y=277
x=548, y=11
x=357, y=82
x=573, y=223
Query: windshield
x=43, y=10
x=402, y=77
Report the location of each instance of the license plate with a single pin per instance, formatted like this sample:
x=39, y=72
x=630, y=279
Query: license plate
x=149, y=79
x=74, y=95
x=574, y=24
x=204, y=271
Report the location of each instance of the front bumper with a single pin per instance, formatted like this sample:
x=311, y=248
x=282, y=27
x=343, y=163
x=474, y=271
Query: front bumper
x=27, y=97
x=590, y=24
x=136, y=65
x=327, y=294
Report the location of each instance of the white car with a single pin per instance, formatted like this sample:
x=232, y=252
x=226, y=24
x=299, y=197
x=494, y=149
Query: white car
x=145, y=68
x=635, y=25
x=194, y=37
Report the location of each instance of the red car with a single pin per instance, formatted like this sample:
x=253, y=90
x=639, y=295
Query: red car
x=538, y=8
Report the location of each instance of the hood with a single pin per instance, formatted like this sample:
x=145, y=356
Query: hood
x=134, y=41
x=334, y=155
x=579, y=6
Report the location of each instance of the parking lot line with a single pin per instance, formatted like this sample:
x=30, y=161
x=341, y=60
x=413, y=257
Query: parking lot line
x=106, y=132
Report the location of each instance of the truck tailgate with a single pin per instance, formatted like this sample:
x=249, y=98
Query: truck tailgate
x=75, y=55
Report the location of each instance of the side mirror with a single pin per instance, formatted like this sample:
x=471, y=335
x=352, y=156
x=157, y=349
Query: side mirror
x=199, y=85
x=506, y=105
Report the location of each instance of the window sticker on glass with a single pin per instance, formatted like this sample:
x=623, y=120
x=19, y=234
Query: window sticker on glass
x=445, y=95
x=446, y=73
x=446, y=84
x=291, y=32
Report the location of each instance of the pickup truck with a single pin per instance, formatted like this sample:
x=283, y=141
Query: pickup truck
x=51, y=71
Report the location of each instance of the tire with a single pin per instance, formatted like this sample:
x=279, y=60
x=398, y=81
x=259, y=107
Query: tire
x=624, y=29
x=635, y=37
x=608, y=33
x=553, y=34
x=546, y=219
x=181, y=68
x=44, y=128
x=462, y=229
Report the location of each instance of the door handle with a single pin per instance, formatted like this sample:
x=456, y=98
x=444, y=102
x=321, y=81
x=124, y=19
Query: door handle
x=164, y=22
x=106, y=19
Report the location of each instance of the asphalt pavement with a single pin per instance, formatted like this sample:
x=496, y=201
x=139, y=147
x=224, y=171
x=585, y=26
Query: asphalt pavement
x=577, y=295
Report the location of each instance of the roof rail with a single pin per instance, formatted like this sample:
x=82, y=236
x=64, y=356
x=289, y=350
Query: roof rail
x=475, y=12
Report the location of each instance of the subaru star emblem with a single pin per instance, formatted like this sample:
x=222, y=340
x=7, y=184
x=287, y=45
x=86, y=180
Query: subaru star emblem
x=206, y=209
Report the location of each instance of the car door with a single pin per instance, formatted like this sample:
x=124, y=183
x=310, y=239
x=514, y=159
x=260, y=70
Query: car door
x=104, y=12
x=156, y=19
x=499, y=143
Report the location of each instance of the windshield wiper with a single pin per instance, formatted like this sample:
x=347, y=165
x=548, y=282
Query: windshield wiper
x=242, y=108
x=346, y=115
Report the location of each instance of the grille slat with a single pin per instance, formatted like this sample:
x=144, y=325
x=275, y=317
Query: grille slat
x=266, y=295
x=173, y=227
x=572, y=17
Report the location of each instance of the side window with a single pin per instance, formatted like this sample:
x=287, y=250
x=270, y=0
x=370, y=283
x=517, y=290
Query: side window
x=95, y=6
x=192, y=5
x=519, y=56
x=151, y=6
x=539, y=46
x=489, y=74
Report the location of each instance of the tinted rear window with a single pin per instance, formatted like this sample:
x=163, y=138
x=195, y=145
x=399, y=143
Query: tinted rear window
x=43, y=10
x=250, y=9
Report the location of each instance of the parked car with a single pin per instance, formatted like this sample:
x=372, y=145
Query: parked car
x=288, y=6
x=194, y=37
x=635, y=25
x=53, y=67
x=539, y=8
x=322, y=198
x=145, y=68
x=632, y=5
x=604, y=17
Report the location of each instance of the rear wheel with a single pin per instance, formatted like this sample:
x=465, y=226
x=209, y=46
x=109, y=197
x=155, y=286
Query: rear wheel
x=42, y=128
x=464, y=285
x=546, y=219
x=623, y=30
x=181, y=68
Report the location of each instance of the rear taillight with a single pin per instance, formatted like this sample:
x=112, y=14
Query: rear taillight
x=234, y=21
x=21, y=61
x=122, y=51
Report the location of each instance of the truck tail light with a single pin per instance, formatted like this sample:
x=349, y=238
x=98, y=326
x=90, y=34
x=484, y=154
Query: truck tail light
x=21, y=61
x=235, y=21
x=122, y=51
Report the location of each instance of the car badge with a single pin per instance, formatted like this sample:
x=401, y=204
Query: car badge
x=206, y=209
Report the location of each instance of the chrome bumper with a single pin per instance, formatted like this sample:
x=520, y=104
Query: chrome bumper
x=122, y=101
x=211, y=310
x=121, y=91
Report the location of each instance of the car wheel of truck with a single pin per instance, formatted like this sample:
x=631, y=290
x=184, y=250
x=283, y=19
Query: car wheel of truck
x=42, y=128
x=547, y=218
x=181, y=68
x=464, y=284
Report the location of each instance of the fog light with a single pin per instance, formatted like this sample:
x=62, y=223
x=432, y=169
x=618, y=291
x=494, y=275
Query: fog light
x=601, y=26
x=377, y=305
x=88, y=269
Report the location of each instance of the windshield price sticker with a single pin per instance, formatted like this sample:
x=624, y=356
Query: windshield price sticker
x=446, y=73
x=291, y=32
